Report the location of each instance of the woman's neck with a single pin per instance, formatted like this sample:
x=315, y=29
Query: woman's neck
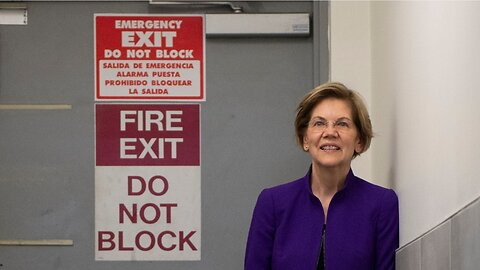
x=327, y=181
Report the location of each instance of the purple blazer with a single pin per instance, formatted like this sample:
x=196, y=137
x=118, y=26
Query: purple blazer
x=361, y=231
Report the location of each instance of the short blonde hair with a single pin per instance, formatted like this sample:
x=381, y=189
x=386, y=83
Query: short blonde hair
x=335, y=90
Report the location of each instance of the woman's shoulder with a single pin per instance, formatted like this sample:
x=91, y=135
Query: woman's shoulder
x=285, y=190
x=372, y=190
x=287, y=187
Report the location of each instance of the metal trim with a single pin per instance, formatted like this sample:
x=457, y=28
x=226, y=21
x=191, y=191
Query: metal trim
x=258, y=24
x=44, y=242
x=35, y=107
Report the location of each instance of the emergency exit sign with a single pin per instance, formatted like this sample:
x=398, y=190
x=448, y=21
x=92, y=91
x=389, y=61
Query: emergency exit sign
x=149, y=57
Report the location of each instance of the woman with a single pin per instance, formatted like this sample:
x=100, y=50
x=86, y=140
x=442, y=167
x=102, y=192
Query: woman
x=328, y=219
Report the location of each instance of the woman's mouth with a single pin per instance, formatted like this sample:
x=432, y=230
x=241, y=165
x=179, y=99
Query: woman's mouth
x=329, y=147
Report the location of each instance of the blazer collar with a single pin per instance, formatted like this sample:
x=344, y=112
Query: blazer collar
x=348, y=182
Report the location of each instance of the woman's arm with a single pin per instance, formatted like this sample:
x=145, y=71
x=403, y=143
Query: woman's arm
x=258, y=255
x=387, y=232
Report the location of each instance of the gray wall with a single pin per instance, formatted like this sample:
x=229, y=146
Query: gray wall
x=47, y=156
x=453, y=245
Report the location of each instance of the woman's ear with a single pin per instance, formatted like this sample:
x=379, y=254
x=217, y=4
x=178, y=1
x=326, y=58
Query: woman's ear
x=359, y=146
x=305, y=144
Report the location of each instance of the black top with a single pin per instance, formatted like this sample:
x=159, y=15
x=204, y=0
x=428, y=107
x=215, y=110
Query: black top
x=321, y=258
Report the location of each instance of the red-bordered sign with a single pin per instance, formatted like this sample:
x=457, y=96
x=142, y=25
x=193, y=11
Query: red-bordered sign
x=149, y=57
x=147, y=182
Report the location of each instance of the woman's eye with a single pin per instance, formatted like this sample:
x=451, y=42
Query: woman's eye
x=343, y=124
x=319, y=123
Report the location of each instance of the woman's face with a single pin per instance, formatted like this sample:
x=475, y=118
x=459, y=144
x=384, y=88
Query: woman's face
x=331, y=137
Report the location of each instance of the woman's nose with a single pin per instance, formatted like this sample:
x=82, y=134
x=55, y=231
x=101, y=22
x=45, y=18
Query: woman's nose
x=330, y=130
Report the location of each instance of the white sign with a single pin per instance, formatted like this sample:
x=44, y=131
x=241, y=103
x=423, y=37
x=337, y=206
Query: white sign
x=147, y=182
